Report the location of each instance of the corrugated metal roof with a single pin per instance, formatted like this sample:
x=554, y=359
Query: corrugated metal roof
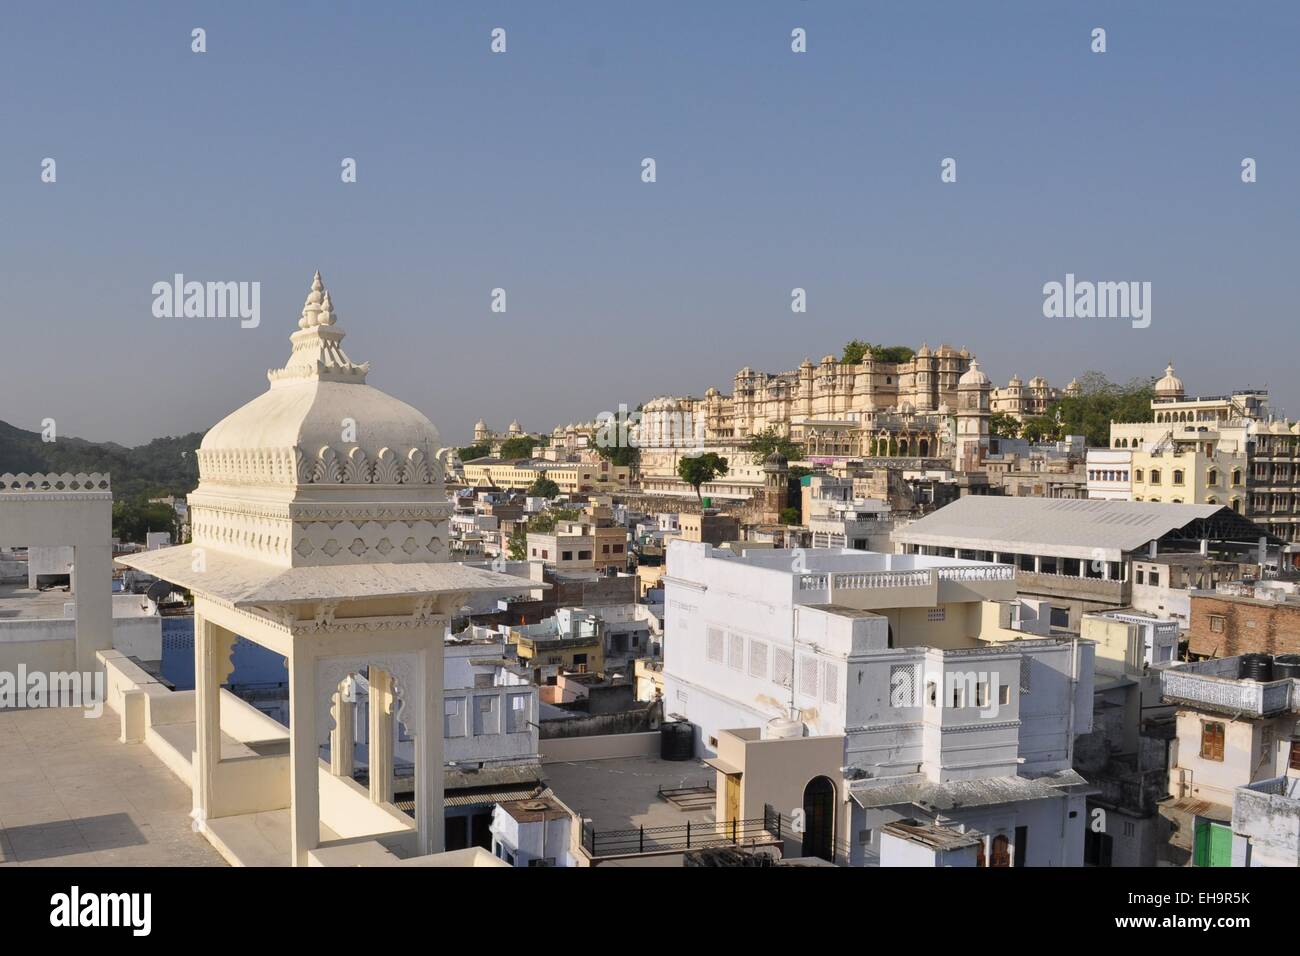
x=1072, y=527
x=956, y=794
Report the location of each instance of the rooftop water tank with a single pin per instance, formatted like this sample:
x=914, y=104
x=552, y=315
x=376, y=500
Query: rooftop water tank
x=782, y=728
x=1286, y=665
x=1256, y=667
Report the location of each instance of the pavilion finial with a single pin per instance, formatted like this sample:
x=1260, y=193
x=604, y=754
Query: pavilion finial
x=317, y=352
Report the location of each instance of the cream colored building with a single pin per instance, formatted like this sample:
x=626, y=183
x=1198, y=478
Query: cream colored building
x=590, y=543
x=1224, y=449
x=1022, y=401
x=588, y=473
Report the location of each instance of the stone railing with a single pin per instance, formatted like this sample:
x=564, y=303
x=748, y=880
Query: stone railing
x=996, y=572
x=95, y=481
x=1226, y=694
x=857, y=581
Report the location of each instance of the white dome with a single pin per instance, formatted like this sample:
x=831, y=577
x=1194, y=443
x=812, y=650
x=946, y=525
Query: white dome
x=974, y=376
x=319, y=422
x=1171, y=384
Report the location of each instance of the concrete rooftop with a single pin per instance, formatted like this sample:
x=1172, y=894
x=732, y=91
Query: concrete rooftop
x=72, y=795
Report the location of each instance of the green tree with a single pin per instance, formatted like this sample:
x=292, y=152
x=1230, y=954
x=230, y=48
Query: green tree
x=699, y=470
x=1100, y=402
x=763, y=444
x=1040, y=428
x=521, y=447
x=625, y=456
x=133, y=518
x=1002, y=425
x=543, y=487
x=856, y=350
x=470, y=452
x=518, y=542
x=789, y=516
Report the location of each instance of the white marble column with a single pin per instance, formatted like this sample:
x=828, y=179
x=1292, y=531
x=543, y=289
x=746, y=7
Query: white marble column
x=428, y=757
x=304, y=756
x=381, y=736
x=212, y=648
x=343, y=736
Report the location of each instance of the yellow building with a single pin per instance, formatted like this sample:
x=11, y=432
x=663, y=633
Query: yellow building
x=589, y=474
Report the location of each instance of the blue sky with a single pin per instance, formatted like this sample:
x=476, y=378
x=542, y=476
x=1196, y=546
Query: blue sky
x=522, y=171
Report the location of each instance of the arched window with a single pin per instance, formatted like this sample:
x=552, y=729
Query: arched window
x=1155, y=476
x=1178, y=476
x=1001, y=855
x=1236, y=476
x=1137, y=474
x=1213, y=477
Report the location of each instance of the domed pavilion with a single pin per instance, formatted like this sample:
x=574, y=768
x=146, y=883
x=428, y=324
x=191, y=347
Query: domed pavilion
x=320, y=532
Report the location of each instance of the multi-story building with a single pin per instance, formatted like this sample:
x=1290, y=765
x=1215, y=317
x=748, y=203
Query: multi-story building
x=857, y=689
x=1075, y=556
x=836, y=518
x=1110, y=474
x=913, y=411
x=581, y=473
x=1022, y=401
x=1236, y=726
x=1220, y=449
x=1239, y=618
x=591, y=542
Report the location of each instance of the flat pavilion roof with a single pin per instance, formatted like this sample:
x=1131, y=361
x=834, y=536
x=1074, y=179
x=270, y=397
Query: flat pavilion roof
x=1071, y=527
x=244, y=582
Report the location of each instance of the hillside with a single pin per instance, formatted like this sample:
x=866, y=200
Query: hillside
x=163, y=466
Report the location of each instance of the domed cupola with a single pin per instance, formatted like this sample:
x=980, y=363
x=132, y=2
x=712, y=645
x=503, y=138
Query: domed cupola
x=321, y=440
x=1169, y=388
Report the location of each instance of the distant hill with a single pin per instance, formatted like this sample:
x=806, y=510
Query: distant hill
x=158, y=468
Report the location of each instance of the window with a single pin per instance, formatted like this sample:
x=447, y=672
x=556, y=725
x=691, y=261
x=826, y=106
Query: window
x=517, y=715
x=864, y=838
x=1178, y=476
x=1141, y=576
x=485, y=715
x=567, y=555
x=1217, y=622
x=453, y=717
x=1212, y=734
x=584, y=555
x=713, y=645
x=1137, y=474
x=808, y=675
x=981, y=693
x=902, y=685
x=935, y=614
x=1004, y=695
x=1153, y=579
x=782, y=666
x=736, y=652
x=618, y=549
x=757, y=659
x=1129, y=829
x=1213, y=477
x=1295, y=753
x=830, y=683
x=1155, y=476
x=958, y=695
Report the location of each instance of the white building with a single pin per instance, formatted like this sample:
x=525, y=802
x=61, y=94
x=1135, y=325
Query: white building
x=861, y=688
x=1110, y=473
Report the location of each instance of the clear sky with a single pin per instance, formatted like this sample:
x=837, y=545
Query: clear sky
x=523, y=171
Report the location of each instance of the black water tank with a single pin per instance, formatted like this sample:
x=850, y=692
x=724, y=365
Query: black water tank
x=1256, y=667
x=677, y=740
x=1286, y=665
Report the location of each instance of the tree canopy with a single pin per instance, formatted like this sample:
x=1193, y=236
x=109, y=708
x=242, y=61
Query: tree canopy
x=521, y=447
x=699, y=470
x=132, y=518
x=543, y=487
x=1100, y=402
x=856, y=350
x=764, y=443
x=470, y=452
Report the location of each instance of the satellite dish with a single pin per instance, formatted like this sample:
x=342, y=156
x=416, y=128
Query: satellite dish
x=158, y=591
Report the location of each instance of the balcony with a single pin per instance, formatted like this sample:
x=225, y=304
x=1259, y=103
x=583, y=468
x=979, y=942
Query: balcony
x=1214, y=685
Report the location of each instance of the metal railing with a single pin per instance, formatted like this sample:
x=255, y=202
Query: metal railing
x=688, y=836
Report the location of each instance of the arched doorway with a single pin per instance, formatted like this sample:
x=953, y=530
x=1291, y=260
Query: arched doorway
x=819, y=819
